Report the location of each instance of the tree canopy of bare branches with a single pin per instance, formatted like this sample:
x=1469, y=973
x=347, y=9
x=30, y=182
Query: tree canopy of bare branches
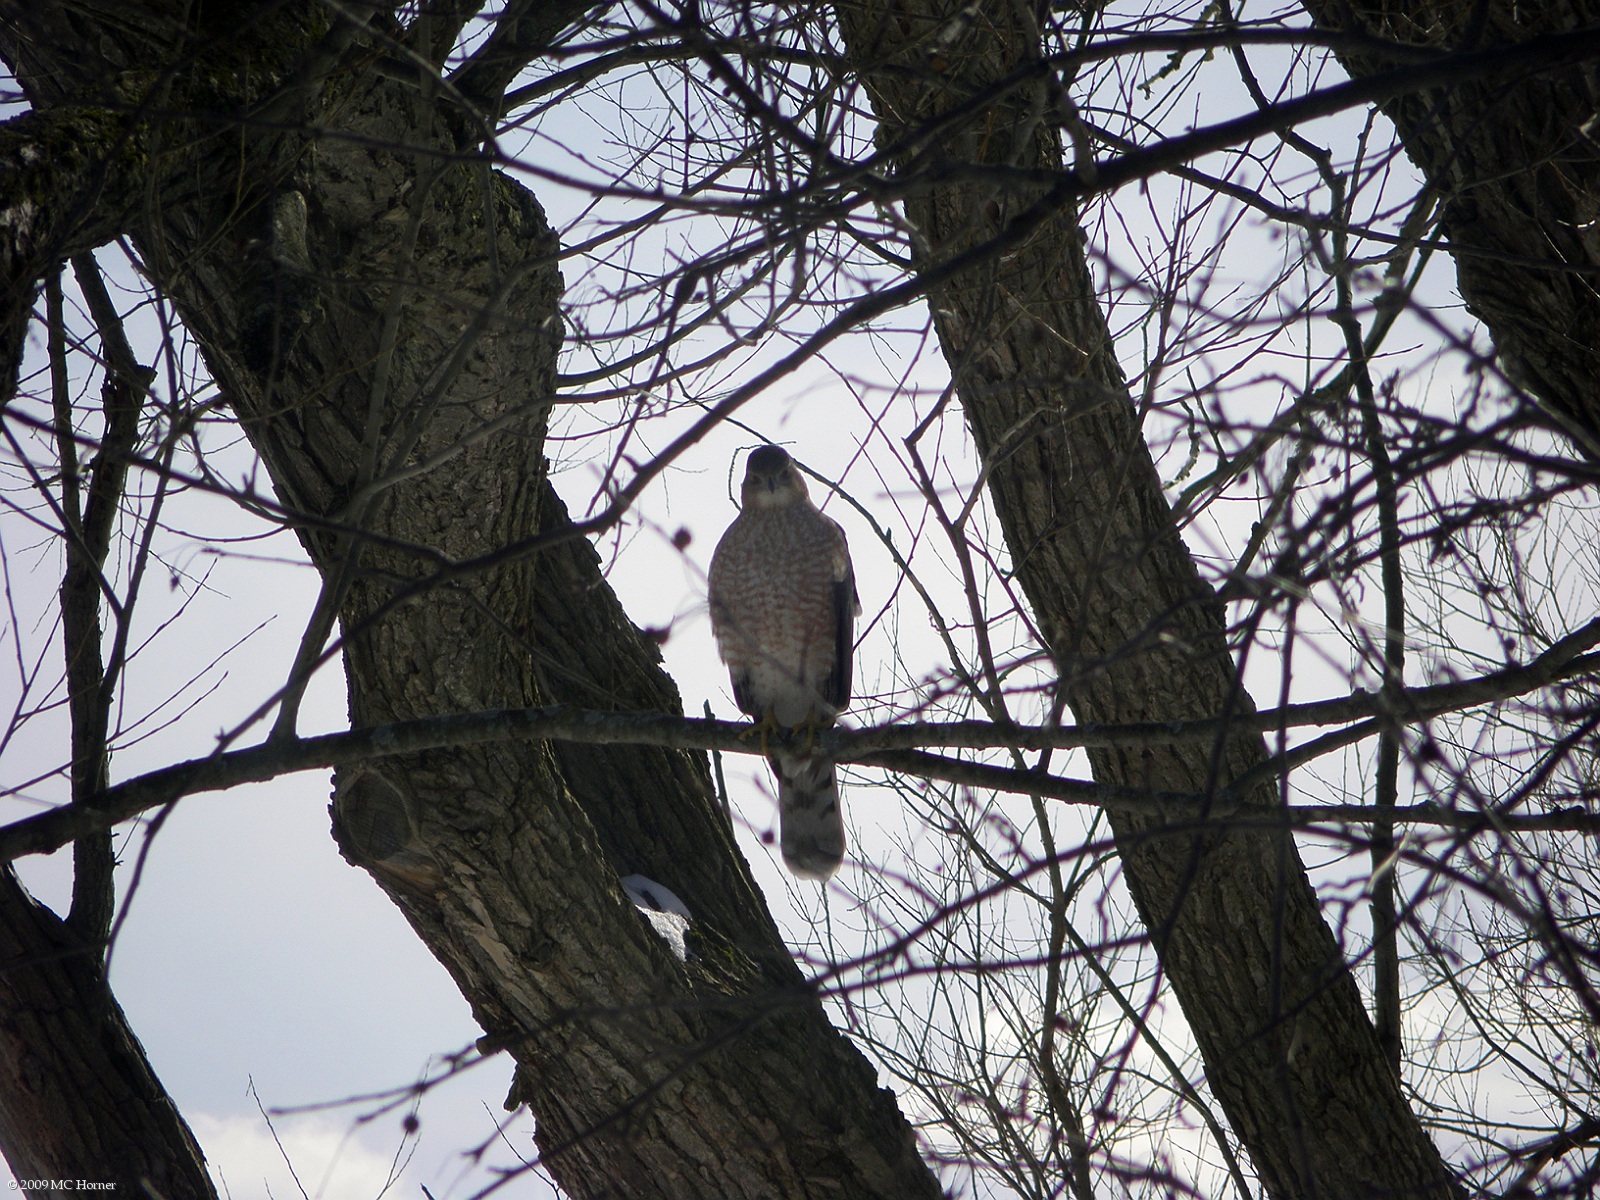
x=1207, y=393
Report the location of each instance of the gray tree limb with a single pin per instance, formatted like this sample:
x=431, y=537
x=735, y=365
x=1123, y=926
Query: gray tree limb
x=1514, y=156
x=893, y=747
x=1135, y=633
x=68, y=183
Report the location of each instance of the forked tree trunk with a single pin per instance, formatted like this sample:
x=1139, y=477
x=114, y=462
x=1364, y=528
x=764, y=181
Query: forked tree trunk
x=370, y=303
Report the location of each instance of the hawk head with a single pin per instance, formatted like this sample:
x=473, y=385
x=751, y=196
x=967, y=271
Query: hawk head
x=770, y=479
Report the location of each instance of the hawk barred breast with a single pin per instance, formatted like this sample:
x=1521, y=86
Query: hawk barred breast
x=783, y=609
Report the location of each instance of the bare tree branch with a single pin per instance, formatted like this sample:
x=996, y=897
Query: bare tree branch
x=887, y=746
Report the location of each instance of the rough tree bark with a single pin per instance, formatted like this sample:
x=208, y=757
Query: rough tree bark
x=1289, y=1050
x=77, y=1098
x=371, y=300
x=68, y=183
x=1516, y=162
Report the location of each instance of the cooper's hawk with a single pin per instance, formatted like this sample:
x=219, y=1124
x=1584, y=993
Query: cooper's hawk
x=783, y=608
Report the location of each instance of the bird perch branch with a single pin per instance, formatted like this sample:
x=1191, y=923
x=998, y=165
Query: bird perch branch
x=895, y=747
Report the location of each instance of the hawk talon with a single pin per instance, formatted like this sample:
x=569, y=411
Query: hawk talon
x=766, y=727
x=811, y=727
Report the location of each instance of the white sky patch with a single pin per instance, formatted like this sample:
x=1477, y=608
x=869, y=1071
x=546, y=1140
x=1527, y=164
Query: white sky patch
x=329, y=1161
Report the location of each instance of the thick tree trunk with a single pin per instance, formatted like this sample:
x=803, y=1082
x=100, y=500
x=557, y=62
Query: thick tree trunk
x=374, y=307
x=78, y=1101
x=1516, y=162
x=1136, y=634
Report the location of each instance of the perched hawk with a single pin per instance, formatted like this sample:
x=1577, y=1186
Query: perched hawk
x=783, y=608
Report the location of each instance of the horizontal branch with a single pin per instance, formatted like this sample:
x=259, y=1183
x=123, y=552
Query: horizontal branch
x=891, y=747
x=1562, y=662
